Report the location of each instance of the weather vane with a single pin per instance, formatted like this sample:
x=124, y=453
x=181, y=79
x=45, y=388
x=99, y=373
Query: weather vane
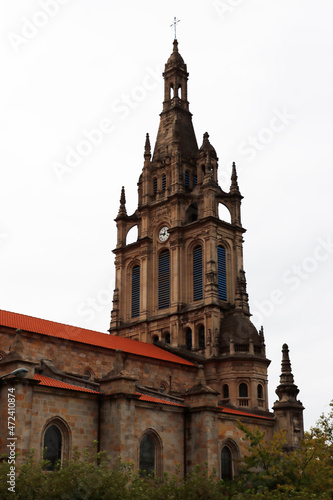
x=174, y=24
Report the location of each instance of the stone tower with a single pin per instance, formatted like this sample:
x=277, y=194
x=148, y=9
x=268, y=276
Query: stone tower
x=182, y=283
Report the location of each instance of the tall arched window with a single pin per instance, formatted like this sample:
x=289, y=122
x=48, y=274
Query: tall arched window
x=226, y=463
x=197, y=273
x=187, y=179
x=135, y=310
x=147, y=455
x=201, y=337
x=188, y=338
x=52, y=446
x=221, y=271
x=155, y=185
x=164, y=280
x=150, y=460
x=260, y=393
x=163, y=182
x=243, y=392
x=225, y=391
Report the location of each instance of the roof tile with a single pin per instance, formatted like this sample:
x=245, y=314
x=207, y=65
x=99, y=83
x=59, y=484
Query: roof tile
x=91, y=337
x=242, y=413
x=51, y=382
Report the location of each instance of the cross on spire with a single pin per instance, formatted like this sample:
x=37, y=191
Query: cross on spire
x=174, y=24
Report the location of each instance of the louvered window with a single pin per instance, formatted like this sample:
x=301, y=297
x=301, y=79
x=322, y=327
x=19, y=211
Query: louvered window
x=187, y=179
x=135, y=291
x=155, y=185
x=195, y=180
x=197, y=273
x=221, y=270
x=163, y=182
x=164, y=280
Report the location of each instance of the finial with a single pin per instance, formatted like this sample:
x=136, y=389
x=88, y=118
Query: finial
x=234, y=184
x=174, y=24
x=122, y=207
x=147, y=154
x=205, y=136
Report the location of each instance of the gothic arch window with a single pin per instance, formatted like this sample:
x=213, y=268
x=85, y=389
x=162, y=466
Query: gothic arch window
x=230, y=459
x=188, y=338
x=135, y=306
x=221, y=272
x=171, y=91
x=243, y=390
x=197, y=273
x=163, y=182
x=55, y=442
x=179, y=91
x=164, y=279
x=225, y=391
x=201, y=337
x=150, y=454
x=226, y=463
x=155, y=185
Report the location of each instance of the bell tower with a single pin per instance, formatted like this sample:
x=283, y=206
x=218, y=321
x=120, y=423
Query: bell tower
x=182, y=283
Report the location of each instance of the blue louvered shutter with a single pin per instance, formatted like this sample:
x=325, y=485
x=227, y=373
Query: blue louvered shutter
x=195, y=180
x=155, y=185
x=197, y=273
x=222, y=275
x=164, y=280
x=187, y=179
x=135, y=291
x=163, y=182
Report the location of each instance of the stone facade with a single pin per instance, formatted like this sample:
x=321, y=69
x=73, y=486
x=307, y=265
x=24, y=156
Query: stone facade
x=183, y=362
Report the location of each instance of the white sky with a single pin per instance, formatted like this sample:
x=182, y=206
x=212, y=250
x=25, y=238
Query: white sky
x=66, y=71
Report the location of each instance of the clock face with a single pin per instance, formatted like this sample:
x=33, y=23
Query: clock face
x=164, y=233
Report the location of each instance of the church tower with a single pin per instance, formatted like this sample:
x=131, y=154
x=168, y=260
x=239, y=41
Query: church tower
x=182, y=283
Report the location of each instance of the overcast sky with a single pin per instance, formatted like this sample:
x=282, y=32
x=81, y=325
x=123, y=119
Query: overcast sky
x=261, y=80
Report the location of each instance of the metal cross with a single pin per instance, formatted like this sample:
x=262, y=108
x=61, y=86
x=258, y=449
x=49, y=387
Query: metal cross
x=174, y=24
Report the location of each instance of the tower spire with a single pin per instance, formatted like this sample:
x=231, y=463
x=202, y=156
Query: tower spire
x=122, y=206
x=147, y=153
x=234, y=184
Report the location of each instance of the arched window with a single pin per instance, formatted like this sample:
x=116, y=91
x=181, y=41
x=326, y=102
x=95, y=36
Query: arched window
x=197, y=273
x=55, y=442
x=147, y=455
x=188, y=338
x=221, y=272
x=52, y=446
x=155, y=339
x=163, y=182
x=135, y=309
x=201, y=337
x=179, y=91
x=171, y=91
x=191, y=213
x=225, y=391
x=226, y=463
x=243, y=392
x=155, y=185
x=150, y=454
x=164, y=280
x=195, y=180
x=167, y=338
x=260, y=391
x=187, y=179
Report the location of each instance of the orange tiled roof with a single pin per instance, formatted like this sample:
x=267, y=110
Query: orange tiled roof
x=150, y=399
x=51, y=382
x=76, y=334
x=242, y=413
